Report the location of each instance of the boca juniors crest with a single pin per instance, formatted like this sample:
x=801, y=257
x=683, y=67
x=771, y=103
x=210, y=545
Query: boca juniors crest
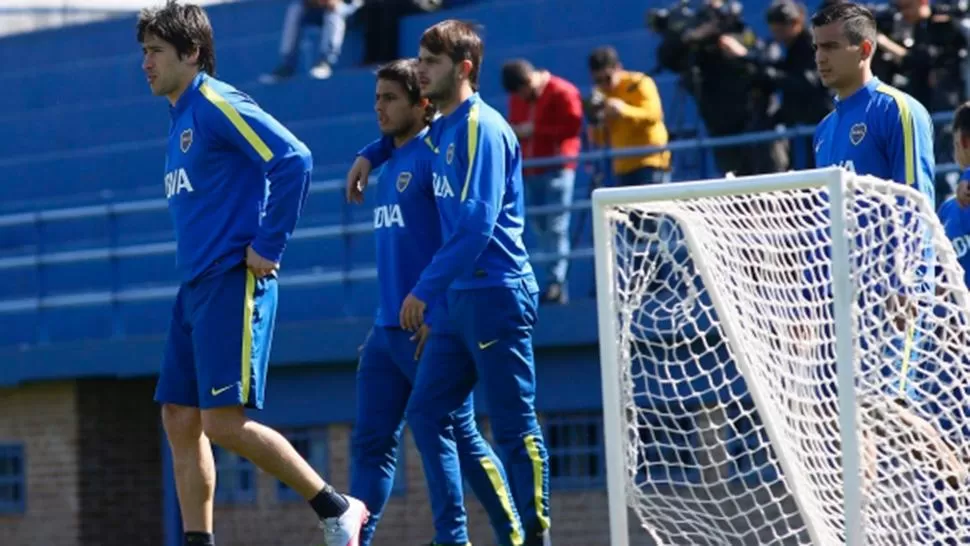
x=857, y=133
x=403, y=180
x=450, y=154
x=185, y=140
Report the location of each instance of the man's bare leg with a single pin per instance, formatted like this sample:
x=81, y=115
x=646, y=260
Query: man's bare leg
x=269, y=450
x=195, y=472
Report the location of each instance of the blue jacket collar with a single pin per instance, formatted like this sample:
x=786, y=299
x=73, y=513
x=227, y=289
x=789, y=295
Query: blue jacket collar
x=464, y=107
x=189, y=95
x=859, y=97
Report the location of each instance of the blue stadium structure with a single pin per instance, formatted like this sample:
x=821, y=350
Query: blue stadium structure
x=87, y=253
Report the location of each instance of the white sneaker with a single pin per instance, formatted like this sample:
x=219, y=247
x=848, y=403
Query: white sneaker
x=345, y=529
x=321, y=71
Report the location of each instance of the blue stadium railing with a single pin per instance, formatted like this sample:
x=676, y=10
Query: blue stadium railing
x=350, y=272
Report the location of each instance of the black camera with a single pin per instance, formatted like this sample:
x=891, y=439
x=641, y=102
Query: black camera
x=680, y=18
x=594, y=107
x=674, y=19
x=685, y=30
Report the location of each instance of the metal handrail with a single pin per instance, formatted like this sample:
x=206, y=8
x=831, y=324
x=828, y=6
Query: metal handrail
x=311, y=277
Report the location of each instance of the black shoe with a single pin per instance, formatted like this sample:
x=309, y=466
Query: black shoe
x=543, y=538
x=281, y=73
x=555, y=294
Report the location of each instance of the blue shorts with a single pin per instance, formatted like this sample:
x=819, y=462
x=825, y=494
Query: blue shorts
x=219, y=342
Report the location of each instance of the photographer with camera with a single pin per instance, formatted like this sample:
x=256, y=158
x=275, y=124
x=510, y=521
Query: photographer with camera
x=696, y=45
x=792, y=74
x=624, y=111
x=927, y=48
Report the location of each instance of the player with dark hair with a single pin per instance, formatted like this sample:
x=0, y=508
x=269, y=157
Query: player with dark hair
x=881, y=131
x=407, y=234
x=490, y=290
x=223, y=153
x=875, y=129
x=955, y=211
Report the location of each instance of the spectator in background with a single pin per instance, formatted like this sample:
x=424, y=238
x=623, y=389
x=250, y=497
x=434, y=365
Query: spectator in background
x=546, y=113
x=792, y=74
x=381, y=20
x=331, y=16
x=625, y=112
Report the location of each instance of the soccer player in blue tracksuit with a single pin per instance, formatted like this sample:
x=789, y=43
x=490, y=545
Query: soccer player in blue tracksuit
x=491, y=292
x=880, y=131
x=236, y=181
x=955, y=212
x=408, y=234
x=874, y=130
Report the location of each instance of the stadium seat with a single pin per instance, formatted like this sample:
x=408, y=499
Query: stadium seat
x=105, y=141
x=18, y=328
x=142, y=318
x=76, y=276
x=147, y=270
x=89, y=322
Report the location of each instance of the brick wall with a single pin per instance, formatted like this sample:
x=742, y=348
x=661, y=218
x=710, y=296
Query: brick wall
x=43, y=417
x=120, y=462
x=94, y=479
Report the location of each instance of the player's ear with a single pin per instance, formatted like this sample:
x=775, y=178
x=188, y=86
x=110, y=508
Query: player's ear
x=867, y=47
x=192, y=56
x=465, y=68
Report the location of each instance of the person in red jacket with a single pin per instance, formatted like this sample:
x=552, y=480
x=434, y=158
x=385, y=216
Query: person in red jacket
x=546, y=113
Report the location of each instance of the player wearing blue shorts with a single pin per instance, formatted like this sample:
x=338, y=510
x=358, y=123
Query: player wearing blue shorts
x=408, y=234
x=483, y=272
x=236, y=181
x=878, y=130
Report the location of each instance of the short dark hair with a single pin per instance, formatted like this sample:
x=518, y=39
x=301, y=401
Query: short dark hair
x=516, y=74
x=602, y=58
x=961, y=119
x=405, y=73
x=858, y=22
x=784, y=12
x=185, y=26
x=458, y=40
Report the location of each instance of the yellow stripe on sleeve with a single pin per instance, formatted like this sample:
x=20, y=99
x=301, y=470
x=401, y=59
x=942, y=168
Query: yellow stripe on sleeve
x=908, y=126
x=237, y=121
x=473, y=114
x=246, y=352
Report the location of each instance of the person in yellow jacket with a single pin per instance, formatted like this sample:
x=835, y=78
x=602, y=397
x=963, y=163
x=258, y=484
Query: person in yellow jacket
x=630, y=116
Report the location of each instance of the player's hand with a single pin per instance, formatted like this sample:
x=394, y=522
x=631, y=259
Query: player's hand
x=412, y=313
x=963, y=193
x=420, y=337
x=260, y=266
x=357, y=179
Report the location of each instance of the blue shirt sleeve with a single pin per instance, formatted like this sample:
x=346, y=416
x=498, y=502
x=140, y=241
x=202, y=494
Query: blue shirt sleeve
x=286, y=162
x=909, y=145
x=482, y=153
x=380, y=150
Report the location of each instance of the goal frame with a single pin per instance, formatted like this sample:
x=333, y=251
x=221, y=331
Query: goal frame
x=614, y=419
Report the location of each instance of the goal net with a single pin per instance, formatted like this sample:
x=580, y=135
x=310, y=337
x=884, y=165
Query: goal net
x=785, y=361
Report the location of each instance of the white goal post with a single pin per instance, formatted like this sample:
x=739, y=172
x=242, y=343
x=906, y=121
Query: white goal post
x=785, y=360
